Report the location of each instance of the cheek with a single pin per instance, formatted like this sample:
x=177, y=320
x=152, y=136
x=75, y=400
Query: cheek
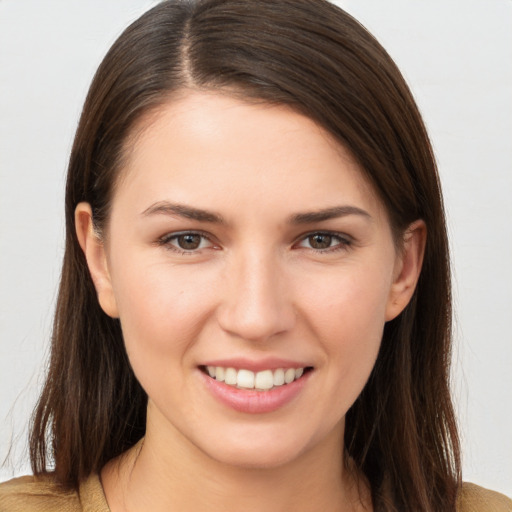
x=161, y=310
x=348, y=306
x=347, y=316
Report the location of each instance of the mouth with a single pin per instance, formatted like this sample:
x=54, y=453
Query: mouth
x=264, y=380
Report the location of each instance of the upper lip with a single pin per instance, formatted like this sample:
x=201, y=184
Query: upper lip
x=269, y=363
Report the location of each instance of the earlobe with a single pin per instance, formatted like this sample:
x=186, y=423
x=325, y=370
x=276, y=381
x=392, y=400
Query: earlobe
x=94, y=251
x=407, y=269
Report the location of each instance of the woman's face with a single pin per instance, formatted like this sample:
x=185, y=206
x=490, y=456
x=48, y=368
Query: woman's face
x=244, y=242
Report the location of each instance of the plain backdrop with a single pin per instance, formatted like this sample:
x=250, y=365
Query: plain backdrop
x=457, y=57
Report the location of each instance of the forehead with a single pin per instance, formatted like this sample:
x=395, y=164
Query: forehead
x=206, y=146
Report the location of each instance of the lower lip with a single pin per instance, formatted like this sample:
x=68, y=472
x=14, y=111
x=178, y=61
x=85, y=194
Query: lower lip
x=255, y=402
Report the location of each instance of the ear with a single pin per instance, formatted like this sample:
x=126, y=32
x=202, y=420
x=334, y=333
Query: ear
x=407, y=268
x=95, y=254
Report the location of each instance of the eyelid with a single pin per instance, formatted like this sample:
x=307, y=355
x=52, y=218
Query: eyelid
x=345, y=241
x=166, y=240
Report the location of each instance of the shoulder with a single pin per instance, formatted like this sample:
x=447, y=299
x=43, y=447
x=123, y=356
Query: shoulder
x=42, y=494
x=29, y=493
x=474, y=498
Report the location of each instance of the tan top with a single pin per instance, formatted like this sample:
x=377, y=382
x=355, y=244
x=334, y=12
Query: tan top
x=30, y=494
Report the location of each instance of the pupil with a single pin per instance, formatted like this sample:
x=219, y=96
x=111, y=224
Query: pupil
x=320, y=241
x=189, y=241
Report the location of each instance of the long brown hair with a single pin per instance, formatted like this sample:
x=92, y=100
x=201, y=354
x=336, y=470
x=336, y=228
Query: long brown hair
x=311, y=55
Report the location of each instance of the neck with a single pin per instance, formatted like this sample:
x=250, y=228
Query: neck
x=169, y=473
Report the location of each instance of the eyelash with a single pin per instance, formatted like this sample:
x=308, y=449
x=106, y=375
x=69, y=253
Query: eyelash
x=166, y=242
x=343, y=241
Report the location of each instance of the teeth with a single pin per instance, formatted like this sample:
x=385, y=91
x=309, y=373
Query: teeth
x=230, y=376
x=289, y=375
x=279, y=377
x=246, y=379
x=264, y=380
x=220, y=373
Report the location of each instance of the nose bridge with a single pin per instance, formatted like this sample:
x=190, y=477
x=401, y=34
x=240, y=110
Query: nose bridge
x=256, y=304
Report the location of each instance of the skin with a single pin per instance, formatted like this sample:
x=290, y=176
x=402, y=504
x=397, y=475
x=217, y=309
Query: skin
x=255, y=287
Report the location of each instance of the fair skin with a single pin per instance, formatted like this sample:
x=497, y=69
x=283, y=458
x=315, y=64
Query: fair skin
x=243, y=236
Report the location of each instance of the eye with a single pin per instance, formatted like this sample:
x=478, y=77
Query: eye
x=188, y=242
x=185, y=242
x=324, y=242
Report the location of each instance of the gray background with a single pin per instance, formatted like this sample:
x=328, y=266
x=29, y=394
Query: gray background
x=457, y=57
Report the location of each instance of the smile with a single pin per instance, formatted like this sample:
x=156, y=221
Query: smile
x=264, y=380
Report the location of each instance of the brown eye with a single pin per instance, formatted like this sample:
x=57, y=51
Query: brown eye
x=320, y=241
x=326, y=242
x=188, y=242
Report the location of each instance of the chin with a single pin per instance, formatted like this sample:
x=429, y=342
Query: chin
x=255, y=457
x=257, y=448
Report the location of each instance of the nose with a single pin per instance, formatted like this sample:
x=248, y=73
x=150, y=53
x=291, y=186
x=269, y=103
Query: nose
x=256, y=305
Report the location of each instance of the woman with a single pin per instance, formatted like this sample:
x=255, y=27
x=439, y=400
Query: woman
x=255, y=306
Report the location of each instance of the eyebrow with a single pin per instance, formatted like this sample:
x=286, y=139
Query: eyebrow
x=181, y=210
x=189, y=212
x=327, y=214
